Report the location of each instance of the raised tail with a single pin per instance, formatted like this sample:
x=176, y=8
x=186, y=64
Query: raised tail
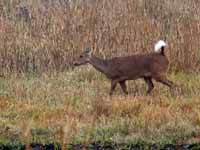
x=159, y=47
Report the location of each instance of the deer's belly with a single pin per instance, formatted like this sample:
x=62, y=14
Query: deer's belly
x=129, y=75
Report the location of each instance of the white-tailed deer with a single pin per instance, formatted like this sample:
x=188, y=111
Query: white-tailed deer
x=119, y=69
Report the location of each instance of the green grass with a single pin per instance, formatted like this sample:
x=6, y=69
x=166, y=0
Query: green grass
x=74, y=107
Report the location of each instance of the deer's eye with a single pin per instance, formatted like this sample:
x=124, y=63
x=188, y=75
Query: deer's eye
x=81, y=56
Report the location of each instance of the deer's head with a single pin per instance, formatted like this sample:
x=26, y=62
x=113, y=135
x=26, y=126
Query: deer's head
x=84, y=58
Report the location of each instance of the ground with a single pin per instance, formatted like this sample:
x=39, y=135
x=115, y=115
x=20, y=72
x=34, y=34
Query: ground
x=75, y=107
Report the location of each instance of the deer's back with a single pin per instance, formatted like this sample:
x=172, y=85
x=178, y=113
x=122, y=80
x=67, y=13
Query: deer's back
x=136, y=66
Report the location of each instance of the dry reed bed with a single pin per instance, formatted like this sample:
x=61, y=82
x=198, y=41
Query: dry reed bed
x=41, y=36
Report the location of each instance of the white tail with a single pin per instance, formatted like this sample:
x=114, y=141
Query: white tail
x=159, y=45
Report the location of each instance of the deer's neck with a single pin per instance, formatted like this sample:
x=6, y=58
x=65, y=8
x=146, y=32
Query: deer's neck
x=99, y=64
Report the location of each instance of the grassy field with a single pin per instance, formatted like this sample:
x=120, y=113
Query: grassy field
x=74, y=107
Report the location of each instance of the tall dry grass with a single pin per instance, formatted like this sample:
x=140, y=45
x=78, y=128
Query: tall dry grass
x=40, y=36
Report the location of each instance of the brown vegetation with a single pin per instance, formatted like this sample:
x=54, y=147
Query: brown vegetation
x=39, y=36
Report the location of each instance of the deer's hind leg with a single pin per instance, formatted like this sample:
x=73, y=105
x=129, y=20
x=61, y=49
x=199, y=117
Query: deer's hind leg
x=149, y=82
x=113, y=86
x=165, y=81
x=123, y=86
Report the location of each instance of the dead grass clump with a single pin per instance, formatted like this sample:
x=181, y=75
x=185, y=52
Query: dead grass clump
x=101, y=106
x=127, y=107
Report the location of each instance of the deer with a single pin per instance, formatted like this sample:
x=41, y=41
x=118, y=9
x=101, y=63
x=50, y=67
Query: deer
x=118, y=70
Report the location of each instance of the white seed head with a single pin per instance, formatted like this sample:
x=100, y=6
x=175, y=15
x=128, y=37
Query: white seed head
x=159, y=45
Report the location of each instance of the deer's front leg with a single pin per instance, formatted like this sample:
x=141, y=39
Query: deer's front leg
x=149, y=82
x=123, y=86
x=113, y=86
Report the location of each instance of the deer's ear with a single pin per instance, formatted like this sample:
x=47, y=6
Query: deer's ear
x=88, y=51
